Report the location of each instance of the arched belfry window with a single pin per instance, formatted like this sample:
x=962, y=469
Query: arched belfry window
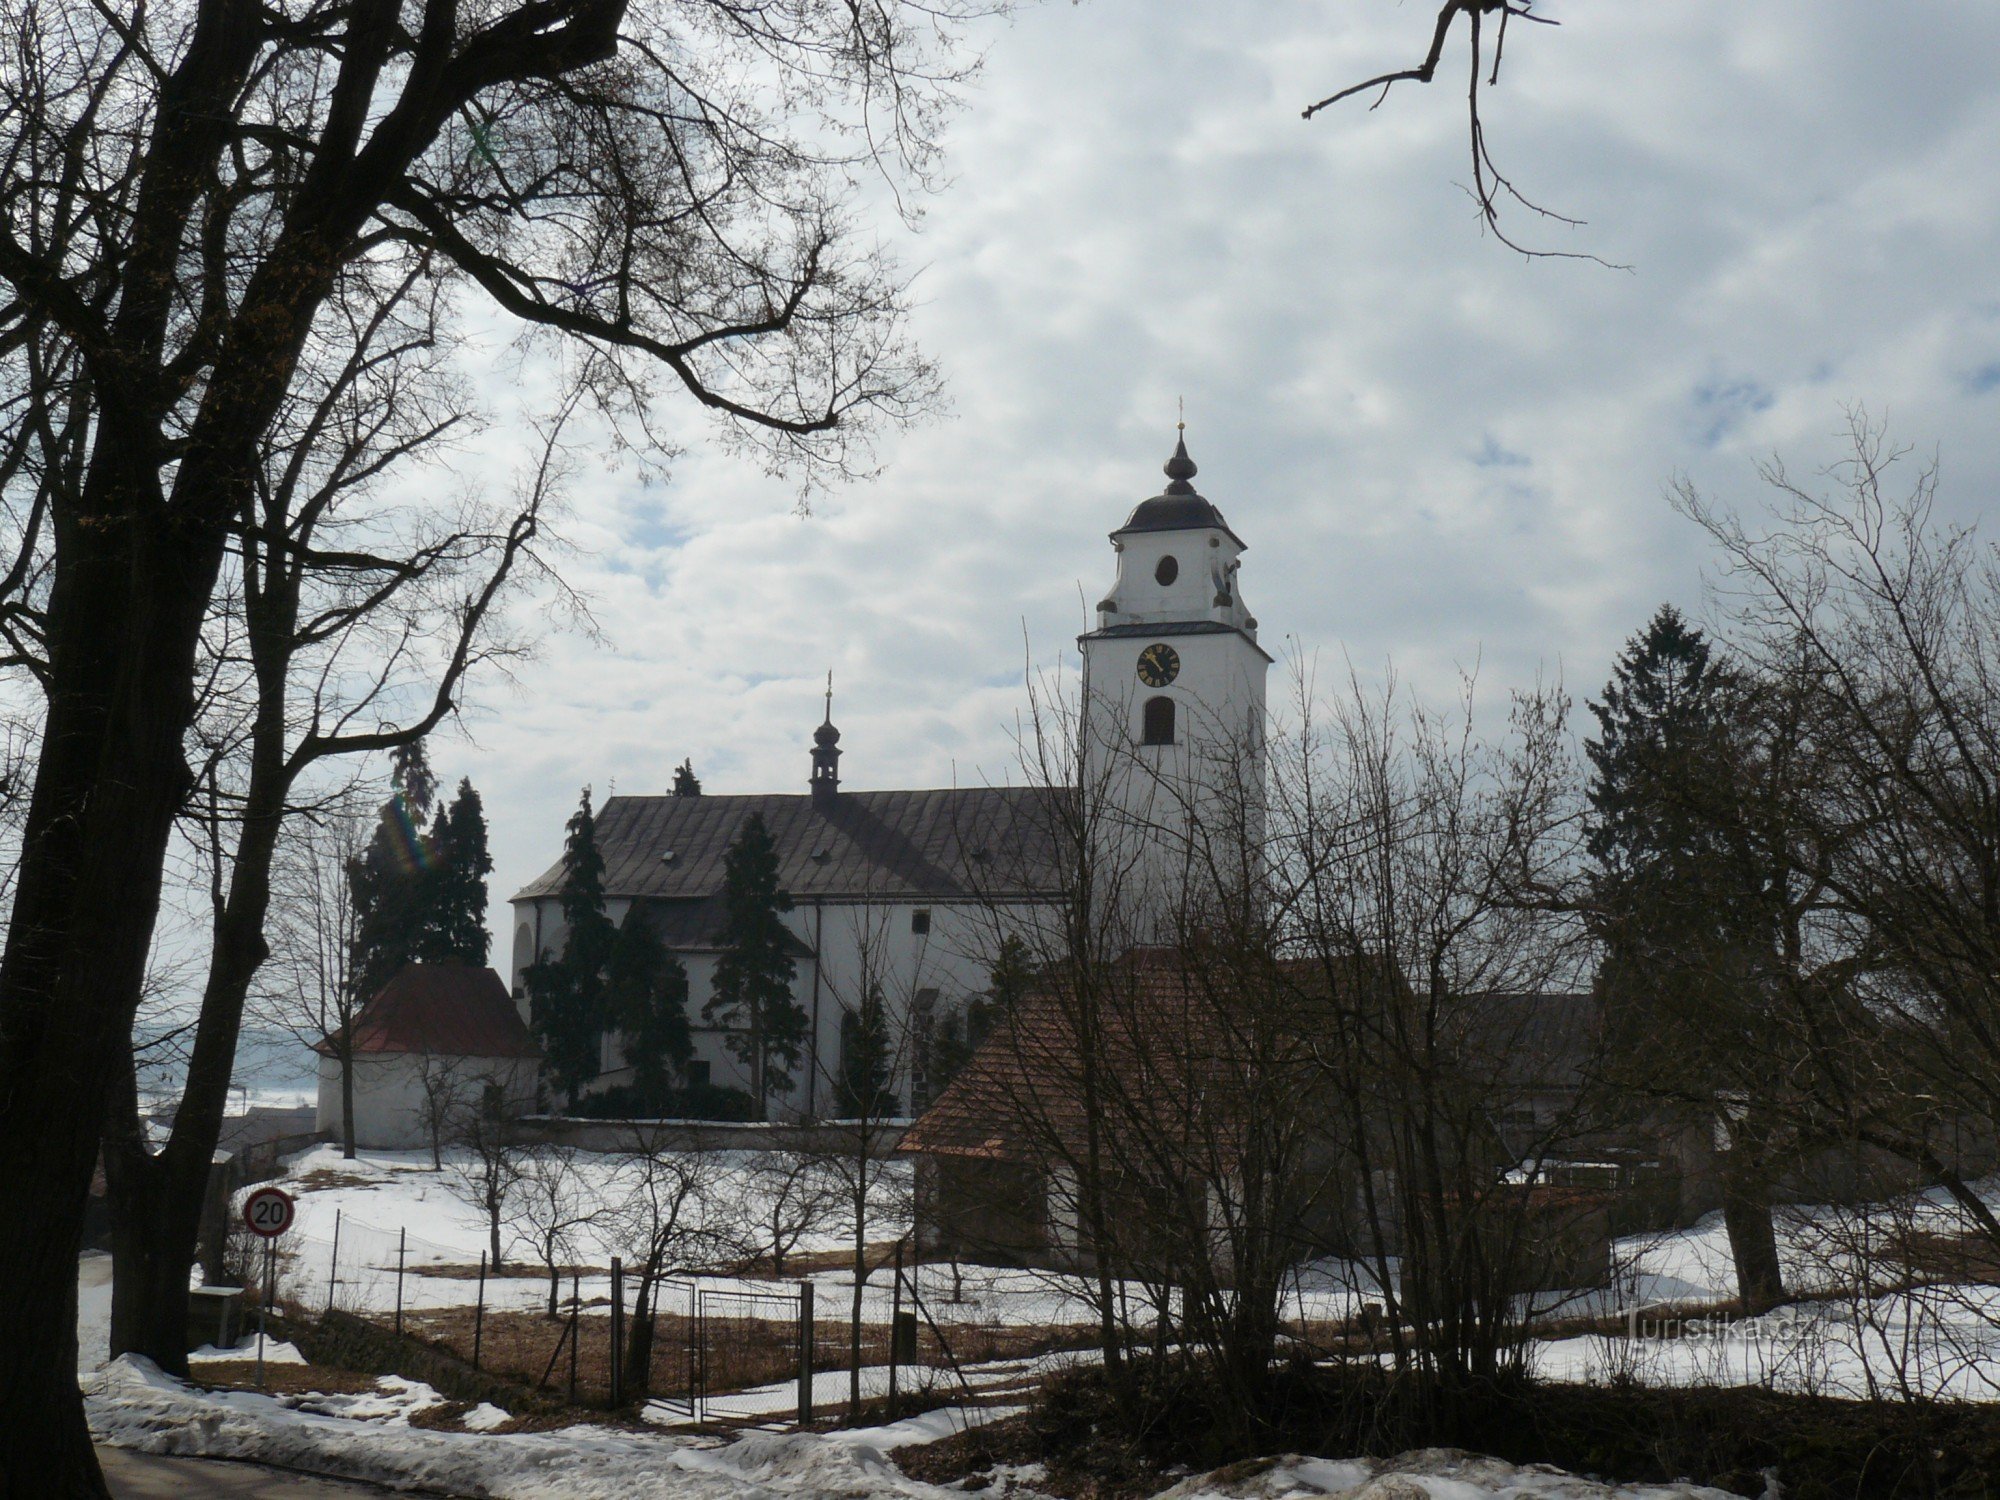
x=1157, y=728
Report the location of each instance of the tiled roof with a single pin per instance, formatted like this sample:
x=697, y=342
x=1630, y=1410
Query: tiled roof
x=961, y=843
x=441, y=1010
x=1178, y=1039
x=1176, y=1042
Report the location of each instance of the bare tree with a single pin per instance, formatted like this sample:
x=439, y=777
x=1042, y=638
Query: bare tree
x=1883, y=623
x=551, y=1206
x=191, y=191
x=305, y=987
x=487, y=1165
x=856, y=1156
x=443, y=1083
x=1486, y=25
x=797, y=1196
x=667, y=1215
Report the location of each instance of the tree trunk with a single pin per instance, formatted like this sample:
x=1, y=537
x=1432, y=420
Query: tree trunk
x=493, y=1231
x=639, y=1341
x=347, y=1090
x=156, y=1200
x=860, y=1282
x=1753, y=1241
x=123, y=618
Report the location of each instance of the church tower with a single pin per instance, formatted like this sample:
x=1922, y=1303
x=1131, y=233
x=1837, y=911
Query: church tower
x=1172, y=734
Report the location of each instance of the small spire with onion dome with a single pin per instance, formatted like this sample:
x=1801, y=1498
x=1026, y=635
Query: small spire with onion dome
x=825, y=782
x=1180, y=468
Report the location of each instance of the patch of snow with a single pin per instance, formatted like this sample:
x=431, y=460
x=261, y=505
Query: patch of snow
x=1427, y=1474
x=394, y=1400
x=485, y=1417
x=131, y=1404
x=276, y=1352
x=93, y=1310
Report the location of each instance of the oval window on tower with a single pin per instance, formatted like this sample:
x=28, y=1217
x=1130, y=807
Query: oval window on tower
x=1167, y=571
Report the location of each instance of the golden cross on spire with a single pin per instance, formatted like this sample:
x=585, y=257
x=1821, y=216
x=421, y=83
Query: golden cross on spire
x=1181, y=402
x=829, y=695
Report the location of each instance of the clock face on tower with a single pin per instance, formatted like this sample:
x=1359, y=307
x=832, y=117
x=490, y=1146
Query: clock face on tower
x=1159, y=664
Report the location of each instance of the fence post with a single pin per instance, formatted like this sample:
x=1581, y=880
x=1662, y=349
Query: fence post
x=617, y=1324
x=805, y=1353
x=264, y=1312
x=895, y=1329
x=333, y=1265
x=479, y=1312
x=575, y=1329
x=402, y=1244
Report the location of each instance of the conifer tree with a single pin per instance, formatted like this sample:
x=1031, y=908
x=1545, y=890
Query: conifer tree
x=566, y=994
x=686, y=783
x=1681, y=912
x=455, y=916
x=646, y=993
x=961, y=1034
x=753, y=978
x=861, y=1088
x=391, y=878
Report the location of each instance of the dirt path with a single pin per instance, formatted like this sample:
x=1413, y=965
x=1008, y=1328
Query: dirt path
x=146, y=1476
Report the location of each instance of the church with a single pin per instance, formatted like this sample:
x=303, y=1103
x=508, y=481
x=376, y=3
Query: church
x=909, y=893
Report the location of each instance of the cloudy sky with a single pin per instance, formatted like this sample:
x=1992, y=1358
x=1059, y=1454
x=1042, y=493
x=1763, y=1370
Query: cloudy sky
x=1438, y=453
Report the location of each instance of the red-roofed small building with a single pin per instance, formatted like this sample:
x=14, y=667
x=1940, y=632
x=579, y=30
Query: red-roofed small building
x=437, y=1039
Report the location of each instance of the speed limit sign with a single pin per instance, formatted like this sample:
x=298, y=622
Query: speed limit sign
x=269, y=1211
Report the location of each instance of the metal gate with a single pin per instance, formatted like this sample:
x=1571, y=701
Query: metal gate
x=672, y=1381
x=752, y=1355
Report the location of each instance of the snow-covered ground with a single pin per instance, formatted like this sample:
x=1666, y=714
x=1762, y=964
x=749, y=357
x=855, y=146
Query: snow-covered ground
x=382, y=1194
x=369, y=1437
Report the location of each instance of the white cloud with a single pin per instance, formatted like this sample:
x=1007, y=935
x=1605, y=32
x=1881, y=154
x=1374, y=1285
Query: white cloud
x=1807, y=195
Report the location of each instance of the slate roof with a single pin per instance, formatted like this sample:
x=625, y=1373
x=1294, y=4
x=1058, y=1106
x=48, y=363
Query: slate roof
x=961, y=843
x=444, y=1010
x=695, y=925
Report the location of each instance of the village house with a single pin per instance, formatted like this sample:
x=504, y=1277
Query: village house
x=437, y=1039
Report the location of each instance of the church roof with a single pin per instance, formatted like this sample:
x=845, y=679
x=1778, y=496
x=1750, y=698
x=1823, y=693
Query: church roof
x=1178, y=507
x=695, y=925
x=441, y=1010
x=951, y=844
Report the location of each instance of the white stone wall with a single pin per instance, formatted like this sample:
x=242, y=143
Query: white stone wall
x=389, y=1095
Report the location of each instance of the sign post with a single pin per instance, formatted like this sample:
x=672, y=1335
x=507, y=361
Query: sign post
x=269, y=1213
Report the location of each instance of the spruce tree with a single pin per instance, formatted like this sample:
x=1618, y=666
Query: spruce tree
x=391, y=881
x=646, y=994
x=753, y=978
x=1681, y=911
x=686, y=783
x=455, y=915
x=861, y=1088
x=566, y=994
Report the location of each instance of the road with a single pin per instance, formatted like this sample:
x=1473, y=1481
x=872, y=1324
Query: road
x=146, y=1476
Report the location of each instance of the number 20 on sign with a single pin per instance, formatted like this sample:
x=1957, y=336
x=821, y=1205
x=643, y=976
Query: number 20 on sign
x=269, y=1211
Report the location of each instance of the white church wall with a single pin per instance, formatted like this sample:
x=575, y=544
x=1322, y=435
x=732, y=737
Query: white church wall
x=857, y=941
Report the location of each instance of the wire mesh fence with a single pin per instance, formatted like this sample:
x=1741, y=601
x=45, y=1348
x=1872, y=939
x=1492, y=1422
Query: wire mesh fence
x=695, y=1348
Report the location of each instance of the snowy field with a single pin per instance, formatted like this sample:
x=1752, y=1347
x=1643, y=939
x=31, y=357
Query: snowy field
x=1939, y=1339
x=1935, y=1340
x=380, y=1193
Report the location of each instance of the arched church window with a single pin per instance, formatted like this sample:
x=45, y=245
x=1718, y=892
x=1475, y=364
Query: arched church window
x=1158, y=724
x=1168, y=570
